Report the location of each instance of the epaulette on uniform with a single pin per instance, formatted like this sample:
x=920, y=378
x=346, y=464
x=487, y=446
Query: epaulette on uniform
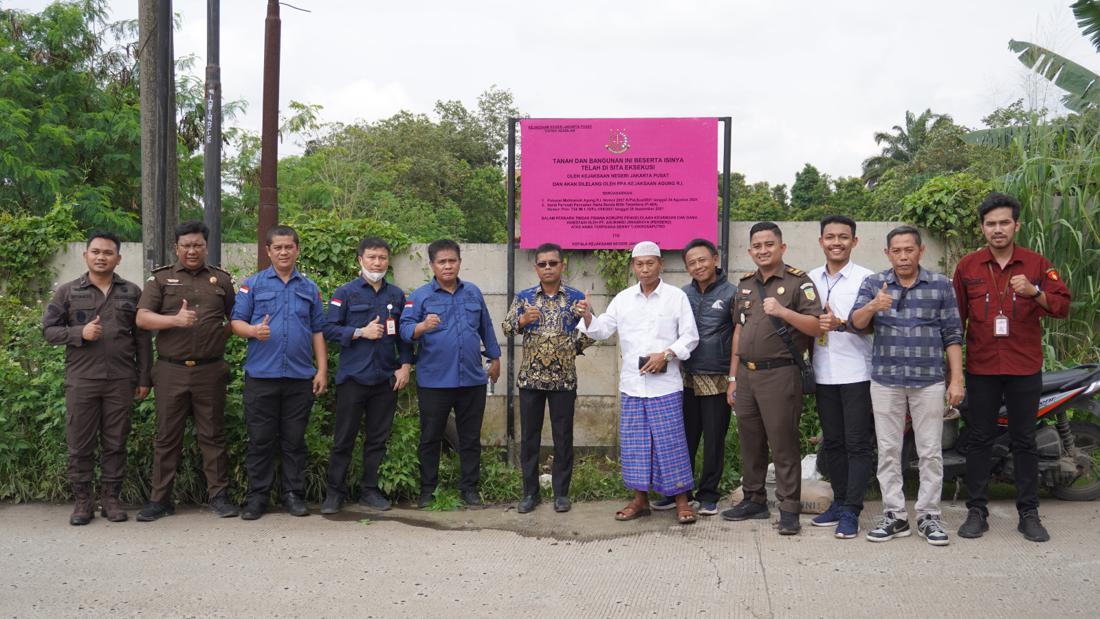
x=218, y=268
x=158, y=269
x=747, y=274
x=795, y=272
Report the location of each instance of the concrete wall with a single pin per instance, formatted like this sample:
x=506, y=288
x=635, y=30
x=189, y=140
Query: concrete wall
x=485, y=265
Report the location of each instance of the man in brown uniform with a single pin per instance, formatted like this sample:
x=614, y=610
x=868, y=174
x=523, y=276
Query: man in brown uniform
x=188, y=304
x=107, y=363
x=765, y=386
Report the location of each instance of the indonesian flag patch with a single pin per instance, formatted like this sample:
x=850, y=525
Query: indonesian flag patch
x=336, y=302
x=244, y=289
x=408, y=304
x=1052, y=275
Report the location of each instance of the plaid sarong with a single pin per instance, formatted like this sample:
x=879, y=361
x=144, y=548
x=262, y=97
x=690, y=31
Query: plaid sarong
x=654, y=448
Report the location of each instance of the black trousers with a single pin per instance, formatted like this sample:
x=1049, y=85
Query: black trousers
x=358, y=405
x=846, y=425
x=707, y=418
x=532, y=407
x=1020, y=395
x=436, y=404
x=276, y=413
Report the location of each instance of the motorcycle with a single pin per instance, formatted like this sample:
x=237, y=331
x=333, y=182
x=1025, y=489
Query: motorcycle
x=1069, y=450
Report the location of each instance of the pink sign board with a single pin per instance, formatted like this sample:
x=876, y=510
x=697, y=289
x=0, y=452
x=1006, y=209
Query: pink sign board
x=608, y=183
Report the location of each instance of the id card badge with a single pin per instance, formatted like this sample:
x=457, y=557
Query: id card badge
x=391, y=326
x=1000, y=326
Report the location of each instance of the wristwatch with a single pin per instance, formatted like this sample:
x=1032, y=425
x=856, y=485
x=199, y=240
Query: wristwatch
x=843, y=326
x=669, y=356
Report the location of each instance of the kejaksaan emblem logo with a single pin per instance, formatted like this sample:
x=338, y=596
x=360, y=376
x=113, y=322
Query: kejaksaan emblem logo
x=618, y=142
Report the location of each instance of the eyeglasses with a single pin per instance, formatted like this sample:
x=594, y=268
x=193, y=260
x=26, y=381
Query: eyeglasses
x=548, y=263
x=195, y=247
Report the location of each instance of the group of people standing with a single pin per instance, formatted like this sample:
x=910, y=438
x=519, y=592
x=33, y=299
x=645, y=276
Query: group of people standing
x=885, y=346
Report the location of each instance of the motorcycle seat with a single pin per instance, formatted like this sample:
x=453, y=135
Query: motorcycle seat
x=1069, y=379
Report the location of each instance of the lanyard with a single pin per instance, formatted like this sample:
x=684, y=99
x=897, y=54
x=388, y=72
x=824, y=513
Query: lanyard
x=1001, y=293
x=829, y=287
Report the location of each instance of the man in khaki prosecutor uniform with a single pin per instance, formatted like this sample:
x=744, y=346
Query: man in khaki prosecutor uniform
x=107, y=363
x=188, y=304
x=765, y=385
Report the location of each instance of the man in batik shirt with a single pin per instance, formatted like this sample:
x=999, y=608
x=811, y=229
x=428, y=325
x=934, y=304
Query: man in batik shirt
x=547, y=316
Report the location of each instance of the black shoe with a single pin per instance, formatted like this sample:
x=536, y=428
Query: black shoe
x=373, y=499
x=294, y=505
x=472, y=499
x=222, y=506
x=562, y=504
x=153, y=511
x=426, y=498
x=332, y=503
x=528, y=503
x=975, y=524
x=253, y=510
x=745, y=510
x=1032, y=527
x=788, y=523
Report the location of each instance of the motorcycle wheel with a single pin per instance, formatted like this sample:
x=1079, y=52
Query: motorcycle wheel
x=1087, y=486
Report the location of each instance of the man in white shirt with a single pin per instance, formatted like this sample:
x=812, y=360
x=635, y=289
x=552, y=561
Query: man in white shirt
x=657, y=331
x=842, y=364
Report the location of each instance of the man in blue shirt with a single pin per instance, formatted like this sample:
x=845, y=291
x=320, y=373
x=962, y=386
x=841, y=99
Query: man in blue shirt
x=278, y=311
x=374, y=365
x=915, y=320
x=448, y=320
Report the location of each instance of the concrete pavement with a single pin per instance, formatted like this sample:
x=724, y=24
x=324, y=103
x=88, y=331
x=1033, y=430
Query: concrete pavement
x=496, y=562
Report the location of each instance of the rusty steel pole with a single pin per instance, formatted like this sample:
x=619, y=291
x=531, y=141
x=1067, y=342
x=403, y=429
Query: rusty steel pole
x=269, y=136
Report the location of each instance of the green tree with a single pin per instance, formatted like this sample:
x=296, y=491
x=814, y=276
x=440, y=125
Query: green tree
x=901, y=145
x=809, y=194
x=69, y=118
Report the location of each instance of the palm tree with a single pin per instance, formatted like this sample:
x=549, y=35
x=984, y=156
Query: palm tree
x=901, y=146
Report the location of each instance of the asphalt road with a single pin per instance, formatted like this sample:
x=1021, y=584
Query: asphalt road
x=495, y=562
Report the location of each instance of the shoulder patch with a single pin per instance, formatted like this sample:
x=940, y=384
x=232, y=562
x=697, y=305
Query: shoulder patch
x=1052, y=275
x=795, y=271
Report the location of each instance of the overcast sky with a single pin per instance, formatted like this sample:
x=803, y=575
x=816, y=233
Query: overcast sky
x=805, y=81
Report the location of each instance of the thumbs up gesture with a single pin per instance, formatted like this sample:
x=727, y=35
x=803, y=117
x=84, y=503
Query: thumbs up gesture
x=92, y=331
x=186, y=317
x=530, y=314
x=261, y=331
x=883, y=301
x=374, y=330
x=828, y=321
x=582, y=308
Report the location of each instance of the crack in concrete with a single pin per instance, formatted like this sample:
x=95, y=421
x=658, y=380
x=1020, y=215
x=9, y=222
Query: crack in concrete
x=712, y=560
x=763, y=571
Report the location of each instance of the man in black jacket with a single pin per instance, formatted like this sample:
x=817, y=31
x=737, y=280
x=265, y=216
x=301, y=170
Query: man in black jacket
x=706, y=412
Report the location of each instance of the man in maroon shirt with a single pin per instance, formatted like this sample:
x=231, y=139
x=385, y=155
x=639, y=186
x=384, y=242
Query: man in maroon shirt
x=1003, y=290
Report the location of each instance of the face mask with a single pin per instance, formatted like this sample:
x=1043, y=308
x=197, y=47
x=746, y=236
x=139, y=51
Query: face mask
x=372, y=277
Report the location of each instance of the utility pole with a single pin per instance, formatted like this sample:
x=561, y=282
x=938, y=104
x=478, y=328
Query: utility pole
x=159, y=202
x=212, y=138
x=269, y=136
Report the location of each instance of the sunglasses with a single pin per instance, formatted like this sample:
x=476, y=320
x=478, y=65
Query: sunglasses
x=548, y=264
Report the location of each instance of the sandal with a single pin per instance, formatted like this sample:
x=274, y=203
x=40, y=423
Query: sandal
x=685, y=515
x=632, y=511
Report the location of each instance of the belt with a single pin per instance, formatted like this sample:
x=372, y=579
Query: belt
x=190, y=362
x=767, y=365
